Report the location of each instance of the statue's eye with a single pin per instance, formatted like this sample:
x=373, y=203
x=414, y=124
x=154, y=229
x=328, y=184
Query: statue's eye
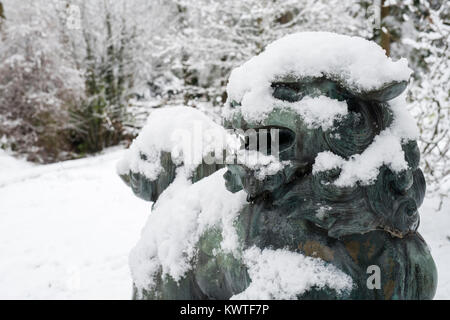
x=295, y=91
x=286, y=92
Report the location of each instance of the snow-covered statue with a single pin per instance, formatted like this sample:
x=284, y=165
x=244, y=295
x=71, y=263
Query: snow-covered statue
x=313, y=195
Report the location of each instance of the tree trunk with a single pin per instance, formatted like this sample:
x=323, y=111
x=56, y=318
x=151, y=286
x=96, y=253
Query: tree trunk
x=2, y=15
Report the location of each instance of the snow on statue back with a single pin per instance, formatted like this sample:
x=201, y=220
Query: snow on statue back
x=337, y=205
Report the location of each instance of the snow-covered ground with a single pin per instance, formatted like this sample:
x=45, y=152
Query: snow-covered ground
x=66, y=230
x=435, y=228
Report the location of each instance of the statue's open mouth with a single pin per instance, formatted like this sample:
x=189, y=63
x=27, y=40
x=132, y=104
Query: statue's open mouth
x=405, y=220
x=269, y=140
x=395, y=232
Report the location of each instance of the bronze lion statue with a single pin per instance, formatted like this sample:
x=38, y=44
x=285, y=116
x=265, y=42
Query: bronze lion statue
x=319, y=200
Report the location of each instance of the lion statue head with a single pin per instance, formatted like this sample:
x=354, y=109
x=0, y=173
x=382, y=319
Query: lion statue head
x=347, y=144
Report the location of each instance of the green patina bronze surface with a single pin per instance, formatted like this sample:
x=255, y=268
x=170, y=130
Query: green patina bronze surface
x=365, y=224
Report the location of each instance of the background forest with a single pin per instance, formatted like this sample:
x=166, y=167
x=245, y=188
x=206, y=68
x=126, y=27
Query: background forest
x=79, y=76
